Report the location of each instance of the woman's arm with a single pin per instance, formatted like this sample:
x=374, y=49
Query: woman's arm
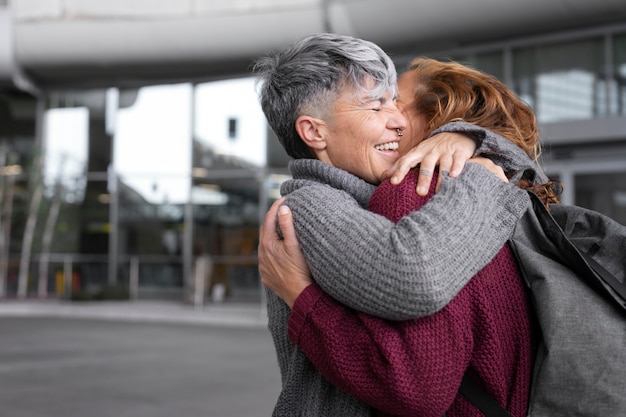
x=402, y=368
x=412, y=268
x=500, y=150
x=282, y=264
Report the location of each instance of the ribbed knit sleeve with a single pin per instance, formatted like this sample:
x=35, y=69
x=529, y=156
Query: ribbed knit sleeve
x=403, y=368
x=414, y=367
x=305, y=392
x=504, y=153
x=412, y=268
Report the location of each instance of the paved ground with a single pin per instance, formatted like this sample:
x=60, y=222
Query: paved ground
x=79, y=360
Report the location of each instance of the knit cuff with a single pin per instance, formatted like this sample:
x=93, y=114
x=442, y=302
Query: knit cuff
x=301, y=309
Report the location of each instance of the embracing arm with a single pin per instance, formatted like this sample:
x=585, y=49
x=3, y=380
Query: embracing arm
x=282, y=265
x=412, y=268
x=433, y=151
x=402, y=368
x=500, y=150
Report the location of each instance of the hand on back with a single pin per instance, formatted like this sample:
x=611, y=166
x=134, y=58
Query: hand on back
x=282, y=265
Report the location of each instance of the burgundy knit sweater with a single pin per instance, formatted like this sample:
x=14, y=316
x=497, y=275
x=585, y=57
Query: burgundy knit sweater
x=414, y=368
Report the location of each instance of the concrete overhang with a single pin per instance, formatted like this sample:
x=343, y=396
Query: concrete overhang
x=120, y=42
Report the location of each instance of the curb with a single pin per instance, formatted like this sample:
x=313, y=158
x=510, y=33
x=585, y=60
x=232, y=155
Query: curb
x=239, y=315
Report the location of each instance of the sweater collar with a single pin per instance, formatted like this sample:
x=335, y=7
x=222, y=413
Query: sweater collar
x=321, y=172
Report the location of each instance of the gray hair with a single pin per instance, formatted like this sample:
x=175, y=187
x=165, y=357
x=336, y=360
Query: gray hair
x=307, y=78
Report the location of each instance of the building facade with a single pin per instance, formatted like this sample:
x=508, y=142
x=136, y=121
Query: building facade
x=136, y=161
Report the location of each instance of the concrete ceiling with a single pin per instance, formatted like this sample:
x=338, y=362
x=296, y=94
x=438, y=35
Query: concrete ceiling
x=122, y=42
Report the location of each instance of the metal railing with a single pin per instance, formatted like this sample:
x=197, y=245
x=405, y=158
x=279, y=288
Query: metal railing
x=81, y=277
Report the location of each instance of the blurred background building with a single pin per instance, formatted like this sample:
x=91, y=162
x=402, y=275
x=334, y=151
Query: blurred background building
x=135, y=160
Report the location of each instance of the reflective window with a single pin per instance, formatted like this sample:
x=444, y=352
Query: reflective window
x=229, y=153
x=228, y=120
x=66, y=143
x=71, y=231
x=562, y=82
x=17, y=150
x=152, y=152
x=491, y=63
x=618, y=86
x=152, y=165
x=605, y=193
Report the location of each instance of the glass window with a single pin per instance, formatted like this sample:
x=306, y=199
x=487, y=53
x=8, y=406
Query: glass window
x=226, y=222
x=54, y=221
x=562, y=82
x=152, y=165
x=18, y=115
x=66, y=143
x=605, y=193
x=74, y=216
x=229, y=153
x=618, y=86
x=152, y=152
x=491, y=63
x=229, y=121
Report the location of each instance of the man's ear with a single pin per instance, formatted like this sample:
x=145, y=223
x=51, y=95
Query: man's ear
x=312, y=131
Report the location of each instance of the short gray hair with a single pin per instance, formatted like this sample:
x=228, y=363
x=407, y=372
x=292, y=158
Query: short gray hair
x=307, y=77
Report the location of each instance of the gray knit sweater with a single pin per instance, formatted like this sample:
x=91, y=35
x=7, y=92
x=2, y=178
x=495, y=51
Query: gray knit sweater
x=395, y=271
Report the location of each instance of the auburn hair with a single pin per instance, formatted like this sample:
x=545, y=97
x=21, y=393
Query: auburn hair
x=446, y=91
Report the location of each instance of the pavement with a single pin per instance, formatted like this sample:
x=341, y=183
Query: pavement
x=218, y=314
x=135, y=359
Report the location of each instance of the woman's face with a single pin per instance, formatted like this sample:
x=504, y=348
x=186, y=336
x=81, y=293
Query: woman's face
x=362, y=135
x=416, y=129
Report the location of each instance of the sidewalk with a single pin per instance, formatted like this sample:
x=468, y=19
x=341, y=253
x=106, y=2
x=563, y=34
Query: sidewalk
x=98, y=364
x=222, y=314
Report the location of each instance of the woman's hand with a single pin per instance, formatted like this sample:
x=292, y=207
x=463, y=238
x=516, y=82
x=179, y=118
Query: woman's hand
x=491, y=166
x=282, y=265
x=449, y=150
